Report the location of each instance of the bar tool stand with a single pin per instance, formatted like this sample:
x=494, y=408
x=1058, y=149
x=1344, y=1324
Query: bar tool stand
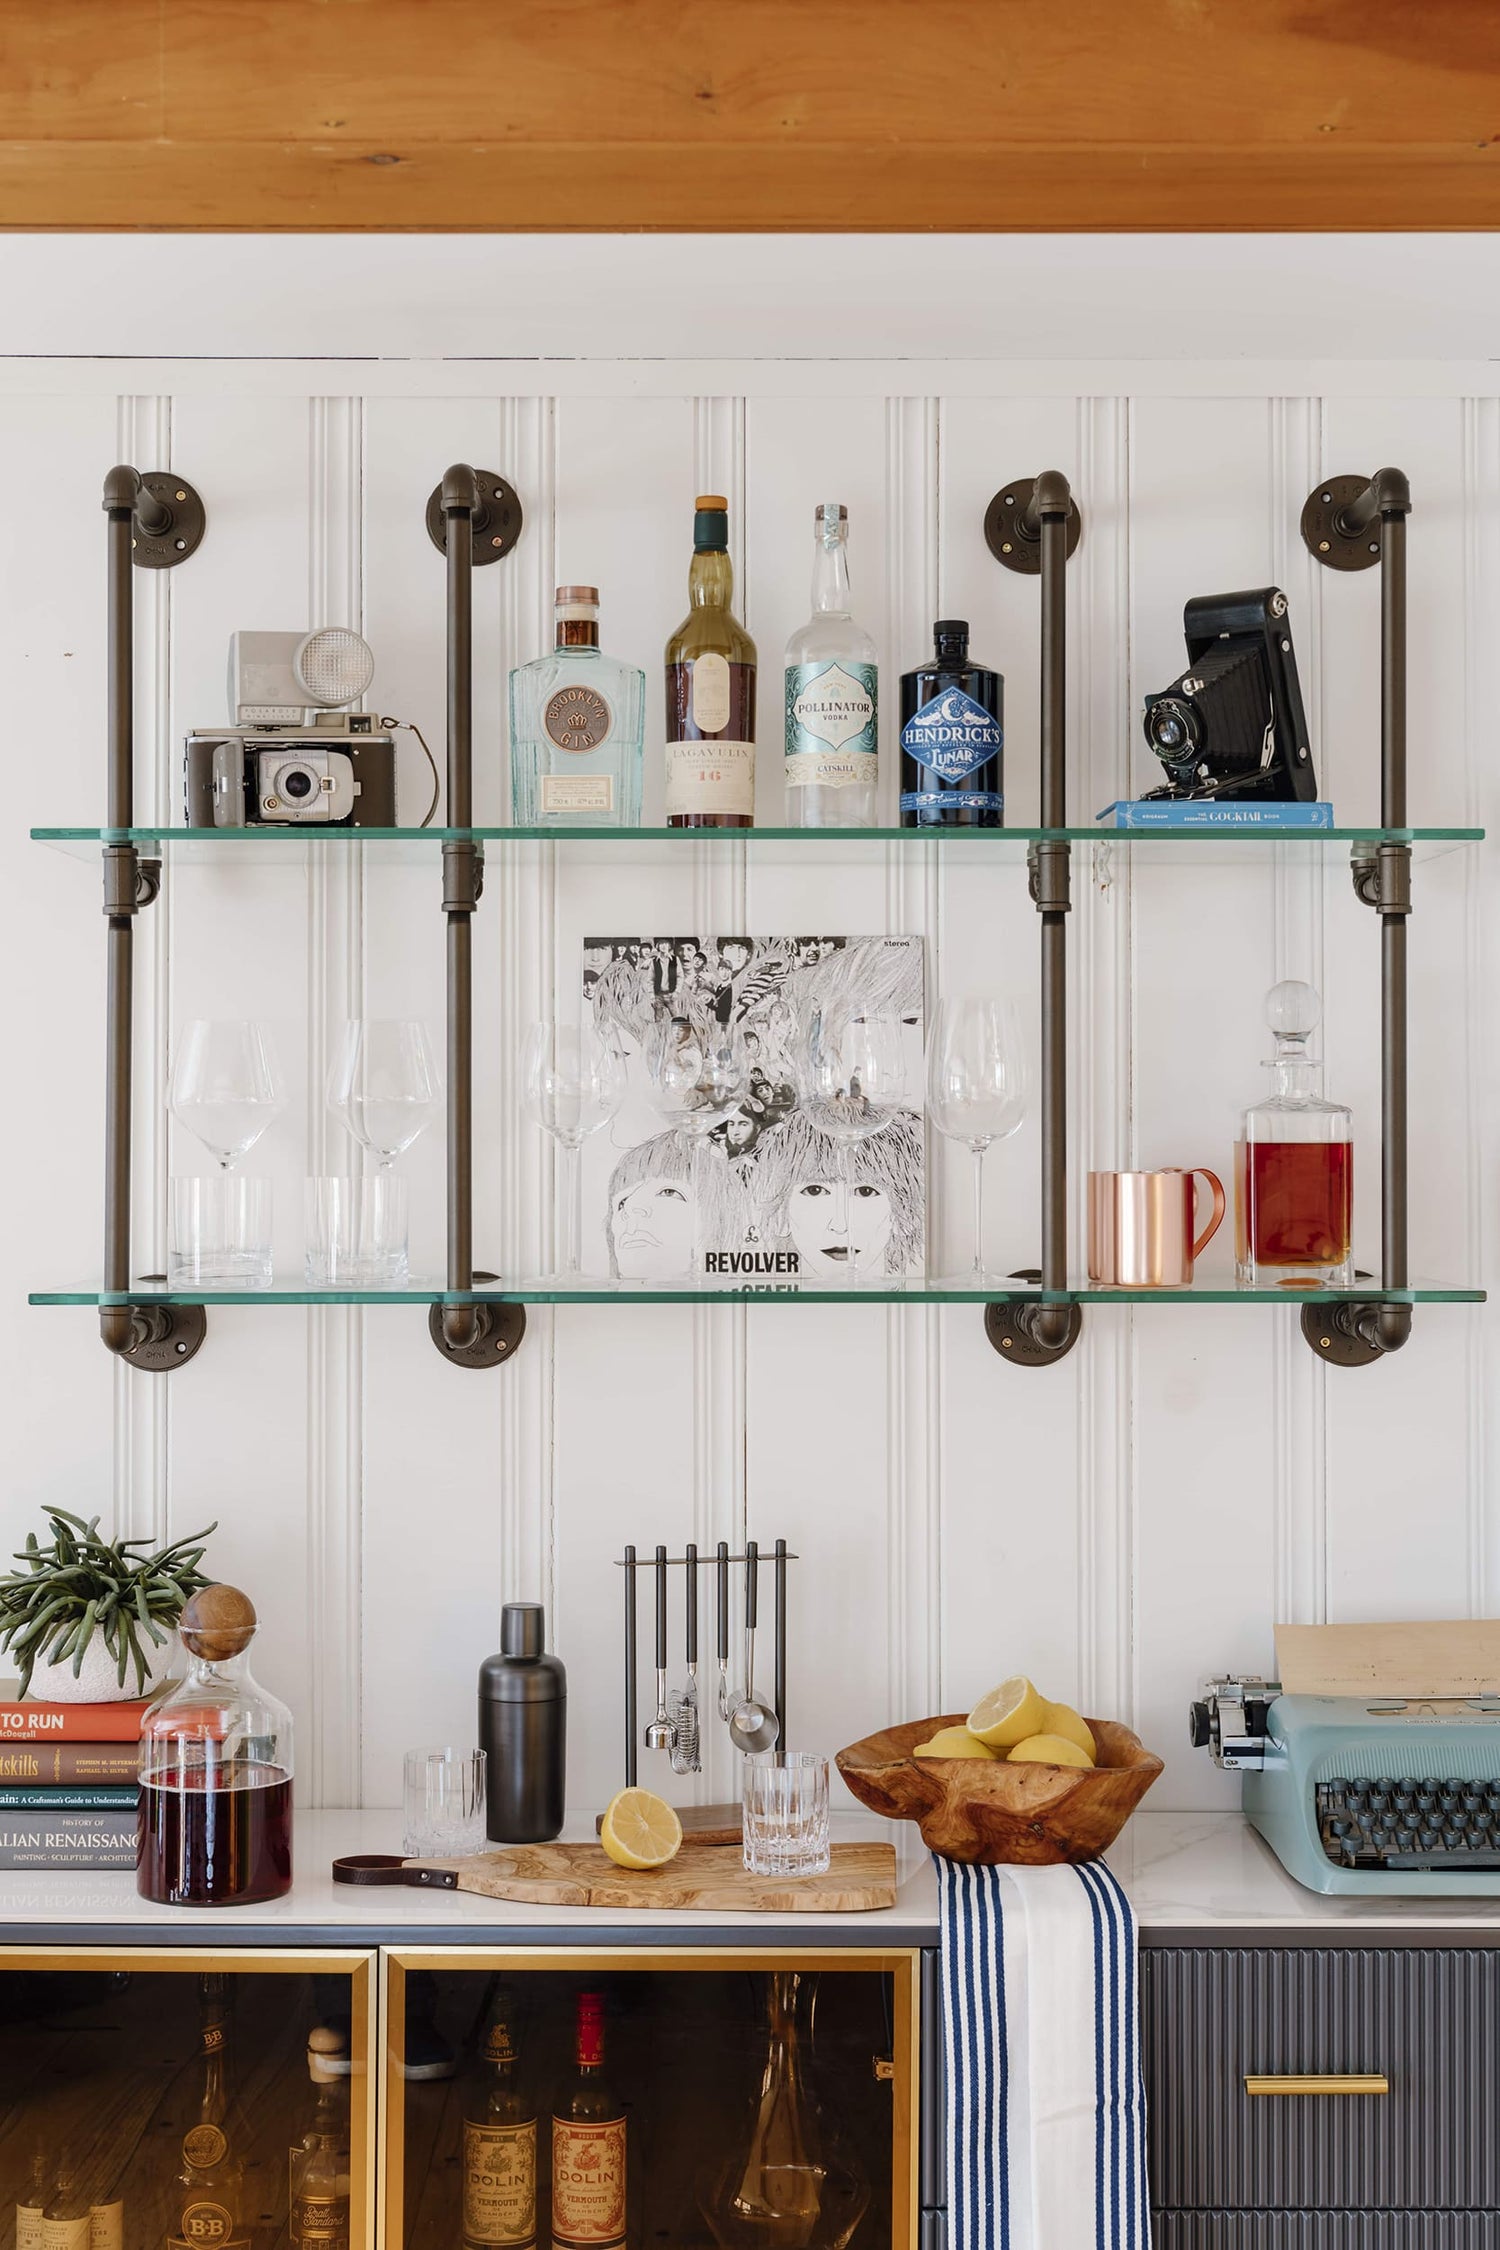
x=1032, y=526
x=704, y=1824
x=474, y=517
x=155, y=522
x=1353, y=523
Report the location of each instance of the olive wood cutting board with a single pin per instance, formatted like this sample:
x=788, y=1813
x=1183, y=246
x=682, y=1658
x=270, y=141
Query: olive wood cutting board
x=861, y=1879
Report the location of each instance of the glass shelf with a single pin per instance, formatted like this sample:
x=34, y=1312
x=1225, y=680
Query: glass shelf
x=919, y=1290
x=292, y=847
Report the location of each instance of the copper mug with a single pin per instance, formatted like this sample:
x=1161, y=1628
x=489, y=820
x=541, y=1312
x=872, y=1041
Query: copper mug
x=1141, y=1226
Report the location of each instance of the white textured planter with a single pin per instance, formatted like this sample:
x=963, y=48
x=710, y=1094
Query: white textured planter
x=97, y=1680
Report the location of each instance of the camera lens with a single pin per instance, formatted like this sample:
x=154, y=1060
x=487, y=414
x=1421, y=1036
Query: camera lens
x=297, y=783
x=1172, y=728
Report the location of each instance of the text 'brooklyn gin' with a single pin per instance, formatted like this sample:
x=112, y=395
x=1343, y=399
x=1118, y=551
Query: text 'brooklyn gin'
x=576, y=719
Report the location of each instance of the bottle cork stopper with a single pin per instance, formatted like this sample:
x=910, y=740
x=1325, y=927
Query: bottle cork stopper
x=325, y=2039
x=218, y=1621
x=712, y=500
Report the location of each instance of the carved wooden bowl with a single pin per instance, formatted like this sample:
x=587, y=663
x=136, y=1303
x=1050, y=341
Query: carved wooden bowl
x=995, y=1814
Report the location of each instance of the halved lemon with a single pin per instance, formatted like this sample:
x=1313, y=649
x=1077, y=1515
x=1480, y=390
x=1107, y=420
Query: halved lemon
x=640, y=1830
x=1061, y=1718
x=955, y=1742
x=1008, y=1714
x=1049, y=1750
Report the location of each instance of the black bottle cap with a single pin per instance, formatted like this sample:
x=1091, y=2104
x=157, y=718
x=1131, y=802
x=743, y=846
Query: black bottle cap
x=710, y=524
x=952, y=636
x=523, y=1630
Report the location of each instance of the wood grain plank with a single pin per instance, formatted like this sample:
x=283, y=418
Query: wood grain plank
x=1215, y=74
x=855, y=187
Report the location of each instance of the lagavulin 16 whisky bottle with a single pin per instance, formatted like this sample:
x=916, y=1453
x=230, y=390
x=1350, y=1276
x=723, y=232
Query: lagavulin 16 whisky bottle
x=832, y=716
x=1294, y=1163
x=710, y=690
x=576, y=720
x=588, y=2145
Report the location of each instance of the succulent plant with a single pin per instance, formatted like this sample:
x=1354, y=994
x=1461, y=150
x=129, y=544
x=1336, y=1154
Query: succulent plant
x=81, y=1585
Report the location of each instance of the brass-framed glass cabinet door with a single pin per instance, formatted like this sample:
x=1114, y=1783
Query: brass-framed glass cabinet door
x=626, y=2097
x=153, y=2098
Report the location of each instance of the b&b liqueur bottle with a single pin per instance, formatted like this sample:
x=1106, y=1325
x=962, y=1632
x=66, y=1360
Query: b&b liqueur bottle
x=952, y=738
x=499, y=2143
x=588, y=2146
x=832, y=720
x=710, y=690
x=210, y=2186
x=319, y=2164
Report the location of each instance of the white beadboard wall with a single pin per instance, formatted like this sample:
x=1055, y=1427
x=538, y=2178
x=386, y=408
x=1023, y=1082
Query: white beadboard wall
x=1120, y=1525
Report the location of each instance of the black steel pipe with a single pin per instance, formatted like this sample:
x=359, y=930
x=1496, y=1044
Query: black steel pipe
x=1051, y=500
x=116, y=1324
x=780, y=1675
x=1387, y=493
x=1394, y=500
x=463, y=1325
x=1393, y=666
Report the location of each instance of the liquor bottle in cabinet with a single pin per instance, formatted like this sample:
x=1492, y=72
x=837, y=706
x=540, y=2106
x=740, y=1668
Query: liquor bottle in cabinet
x=832, y=723
x=576, y=720
x=952, y=738
x=588, y=2145
x=67, y=2211
x=499, y=2142
x=710, y=690
x=208, y=2202
x=319, y=2164
x=1294, y=1163
x=31, y=2203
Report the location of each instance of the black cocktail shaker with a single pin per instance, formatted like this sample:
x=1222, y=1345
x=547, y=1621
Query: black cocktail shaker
x=523, y=1731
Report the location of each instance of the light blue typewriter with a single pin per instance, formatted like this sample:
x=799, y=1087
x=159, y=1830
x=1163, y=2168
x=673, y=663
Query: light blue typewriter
x=1383, y=1795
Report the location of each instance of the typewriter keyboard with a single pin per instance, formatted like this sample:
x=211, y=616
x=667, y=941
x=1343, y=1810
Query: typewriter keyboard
x=1411, y=1825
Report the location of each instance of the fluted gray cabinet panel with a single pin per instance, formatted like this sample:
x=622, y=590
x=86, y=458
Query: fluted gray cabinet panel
x=1428, y=2018
x=1325, y=2230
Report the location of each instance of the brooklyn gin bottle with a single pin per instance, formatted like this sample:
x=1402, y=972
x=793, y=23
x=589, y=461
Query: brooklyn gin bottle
x=710, y=662
x=576, y=718
x=831, y=697
x=952, y=738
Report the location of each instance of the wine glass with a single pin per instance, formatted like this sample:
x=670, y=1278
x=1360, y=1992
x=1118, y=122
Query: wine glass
x=976, y=1084
x=700, y=1073
x=852, y=1071
x=575, y=1082
x=385, y=1084
x=225, y=1085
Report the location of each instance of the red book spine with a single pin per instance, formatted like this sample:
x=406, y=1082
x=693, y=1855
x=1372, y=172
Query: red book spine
x=71, y=1722
x=47, y=1765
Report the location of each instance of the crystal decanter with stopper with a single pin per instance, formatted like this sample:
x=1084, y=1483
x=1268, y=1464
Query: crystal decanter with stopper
x=1294, y=1163
x=216, y=1770
x=787, y=2186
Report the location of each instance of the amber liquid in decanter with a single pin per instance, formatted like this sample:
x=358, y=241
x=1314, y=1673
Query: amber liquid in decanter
x=1294, y=1164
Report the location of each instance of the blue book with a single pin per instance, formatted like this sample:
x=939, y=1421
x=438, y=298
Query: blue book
x=1216, y=812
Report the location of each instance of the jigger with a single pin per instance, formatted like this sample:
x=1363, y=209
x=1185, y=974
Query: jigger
x=661, y=1734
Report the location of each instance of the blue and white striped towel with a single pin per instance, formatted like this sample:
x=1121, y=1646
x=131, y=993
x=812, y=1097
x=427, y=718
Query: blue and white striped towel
x=1046, y=2111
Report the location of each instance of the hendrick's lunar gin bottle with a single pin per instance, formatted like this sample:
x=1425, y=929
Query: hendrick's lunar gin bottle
x=952, y=738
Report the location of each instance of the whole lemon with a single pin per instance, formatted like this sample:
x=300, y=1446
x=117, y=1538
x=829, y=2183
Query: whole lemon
x=1049, y=1750
x=1061, y=1718
x=954, y=1742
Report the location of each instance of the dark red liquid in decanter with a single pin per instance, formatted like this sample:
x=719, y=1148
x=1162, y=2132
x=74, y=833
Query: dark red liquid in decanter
x=209, y=1846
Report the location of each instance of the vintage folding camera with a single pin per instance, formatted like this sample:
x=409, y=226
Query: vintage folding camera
x=287, y=755
x=1232, y=724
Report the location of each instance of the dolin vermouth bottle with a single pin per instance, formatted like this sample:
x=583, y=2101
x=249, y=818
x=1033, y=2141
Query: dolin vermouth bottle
x=952, y=738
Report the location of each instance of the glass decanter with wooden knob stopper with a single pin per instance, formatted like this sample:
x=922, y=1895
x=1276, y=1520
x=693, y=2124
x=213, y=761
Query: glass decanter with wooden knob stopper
x=1294, y=1163
x=216, y=1770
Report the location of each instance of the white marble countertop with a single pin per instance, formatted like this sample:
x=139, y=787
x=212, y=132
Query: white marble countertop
x=1184, y=1871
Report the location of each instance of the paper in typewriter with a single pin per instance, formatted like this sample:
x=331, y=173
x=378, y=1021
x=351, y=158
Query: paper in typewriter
x=1427, y=1658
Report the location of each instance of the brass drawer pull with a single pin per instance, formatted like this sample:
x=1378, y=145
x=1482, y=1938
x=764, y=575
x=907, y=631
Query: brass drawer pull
x=1320, y=2082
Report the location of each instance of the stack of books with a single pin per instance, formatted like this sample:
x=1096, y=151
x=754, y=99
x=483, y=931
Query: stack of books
x=68, y=1786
